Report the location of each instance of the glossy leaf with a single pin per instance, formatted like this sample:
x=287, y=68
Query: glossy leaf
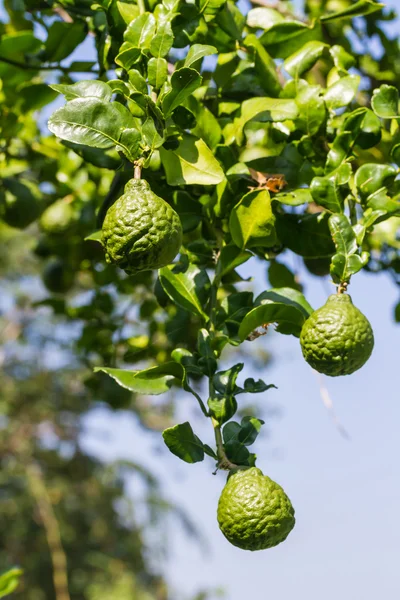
x=265, y=66
x=287, y=316
x=263, y=17
x=162, y=42
x=197, y=52
x=183, y=82
x=157, y=71
x=192, y=162
x=287, y=295
x=188, y=289
x=140, y=32
x=307, y=235
x=90, y=121
x=342, y=92
x=385, y=102
x=305, y=58
x=288, y=36
x=294, y=197
x=252, y=222
x=84, y=89
x=182, y=442
x=326, y=192
x=154, y=381
x=346, y=262
x=358, y=9
x=370, y=177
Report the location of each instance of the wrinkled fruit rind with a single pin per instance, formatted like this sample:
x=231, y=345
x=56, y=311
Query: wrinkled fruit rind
x=254, y=513
x=141, y=231
x=337, y=339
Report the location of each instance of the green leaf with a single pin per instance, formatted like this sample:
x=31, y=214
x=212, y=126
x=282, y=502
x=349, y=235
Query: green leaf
x=252, y=222
x=233, y=310
x=222, y=408
x=137, y=81
x=380, y=201
x=182, y=442
x=263, y=18
x=210, y=7
x=84, y=89
x=345, y=262
x=225, y=381
x=264, y=110
x=104, y=158
x=249, y=429
x=326, y=192
x=231, y=257
x=280, y=275
x=385, y=102
x=311, y=107
x=129, y=143
x=306, y=235
x=9, y=581
x=128, y=56
x=192, y=162
x=35, y=96
x=162, y=42
x=361, y=8
x=189, y=289
x=140, y=32
x=287, y=295
x=342, y=92
x=289, y=318
x=256, y=387
x=90, y=121
x=94, y=237
x=370, y=177
x=342, y=59
x=288, y=36
x=157, y=71
x=198, y=51
x=62, y=39
x=305, y=58
x=183, y=82
x=153, y=381
x=294, y=197
x=265, y=66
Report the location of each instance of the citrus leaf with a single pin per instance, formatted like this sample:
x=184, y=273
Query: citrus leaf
x=304, y=59
x=289, y=318
x=183, y=82
x=62, y=39
x=162, y=42
x=188, y=289
x=252, y=222
x=182, y=442
x=140, y=32
x=265, y=66
x=385, y=102
x=153, y=381
x=157, y=71
x=90, y=121
x=198, y=51
x=342, y=92
x=294, y=197
x=192, y=162
x=287, y=295
x=361, y=8
x=84, y=89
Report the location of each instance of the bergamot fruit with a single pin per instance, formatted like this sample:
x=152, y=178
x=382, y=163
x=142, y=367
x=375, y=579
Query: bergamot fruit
x=254, y=512
x=58, y=276
x=141, y=231
x=337, y=339
x=58, y=218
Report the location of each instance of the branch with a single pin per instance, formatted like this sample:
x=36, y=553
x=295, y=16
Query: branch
x=52, y=530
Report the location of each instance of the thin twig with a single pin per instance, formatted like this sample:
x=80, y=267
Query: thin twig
x=52, y=530
x=327, y=400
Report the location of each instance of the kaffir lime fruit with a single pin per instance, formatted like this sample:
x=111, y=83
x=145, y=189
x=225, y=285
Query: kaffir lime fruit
x=58, y=218
x=141, y=231
x=337, y=339
x=254, y=512
x=58, y=276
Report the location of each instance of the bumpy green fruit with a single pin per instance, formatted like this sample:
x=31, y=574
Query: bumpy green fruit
x=57, y=218
x=58, y=277
x=337, y=339
x=254, y=512
x=141, y=231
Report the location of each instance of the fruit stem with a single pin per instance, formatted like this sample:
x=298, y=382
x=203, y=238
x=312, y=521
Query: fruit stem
x=223, y=460
x=137, y=173
x=342, y=287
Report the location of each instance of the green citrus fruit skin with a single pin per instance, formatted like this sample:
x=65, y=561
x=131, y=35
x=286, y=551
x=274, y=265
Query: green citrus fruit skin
x=337, y=339
x=141, y=231
x=57, y=218
x=19, y=209
x=254, y=512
